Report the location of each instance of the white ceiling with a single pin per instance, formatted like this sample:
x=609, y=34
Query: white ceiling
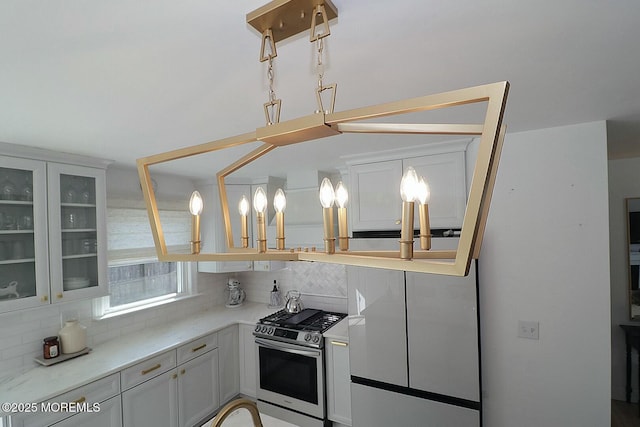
x=125, y=79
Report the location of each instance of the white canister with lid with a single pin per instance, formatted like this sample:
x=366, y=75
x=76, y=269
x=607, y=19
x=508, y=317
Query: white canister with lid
x=73, y=337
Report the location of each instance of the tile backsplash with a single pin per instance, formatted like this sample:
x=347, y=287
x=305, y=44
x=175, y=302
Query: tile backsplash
x=323, y=286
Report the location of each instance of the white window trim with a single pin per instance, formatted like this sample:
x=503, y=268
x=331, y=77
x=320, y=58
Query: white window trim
x=188, y=270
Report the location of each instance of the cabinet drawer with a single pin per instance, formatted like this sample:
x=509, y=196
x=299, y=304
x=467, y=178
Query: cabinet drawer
x=97, y=391
x=197, y=347
x=148, y=369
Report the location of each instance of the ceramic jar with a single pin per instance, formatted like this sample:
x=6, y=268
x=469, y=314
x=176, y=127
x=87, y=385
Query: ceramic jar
x=73, y=337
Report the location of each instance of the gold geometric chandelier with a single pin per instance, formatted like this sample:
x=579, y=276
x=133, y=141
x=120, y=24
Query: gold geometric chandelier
x=279, y=20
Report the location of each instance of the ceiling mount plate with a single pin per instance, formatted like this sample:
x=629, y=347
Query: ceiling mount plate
x=287, y=18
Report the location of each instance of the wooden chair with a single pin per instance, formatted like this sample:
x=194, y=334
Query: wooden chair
x=232, y=406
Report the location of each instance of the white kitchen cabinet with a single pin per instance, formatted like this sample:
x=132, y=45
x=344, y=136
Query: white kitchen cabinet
x=77, y=232
x=110, y=415
x=375, y=191
x=52, y=232
x=152, y=403
x=49, y=412
x=248, y=370
x=338, y=381
x=24, y=268
x=198, y=393
x=229, y=365
x=212, y=229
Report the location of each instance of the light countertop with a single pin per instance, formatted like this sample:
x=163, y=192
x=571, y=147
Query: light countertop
x=42, y=383
x=339, y=331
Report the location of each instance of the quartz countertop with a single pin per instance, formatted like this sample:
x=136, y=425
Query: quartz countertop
x=42, y=383
x=339, y=331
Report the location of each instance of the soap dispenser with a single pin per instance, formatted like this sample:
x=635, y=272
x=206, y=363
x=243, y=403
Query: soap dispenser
x=276, y=300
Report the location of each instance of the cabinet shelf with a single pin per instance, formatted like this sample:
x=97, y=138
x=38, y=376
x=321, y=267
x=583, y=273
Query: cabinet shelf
x=16, y=202
x=78, y=205
x=17, y=261
x=78, y=230
x=25, y=231
x=80, y=256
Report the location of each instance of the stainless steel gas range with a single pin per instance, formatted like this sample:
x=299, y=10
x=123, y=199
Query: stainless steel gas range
x=290, y=353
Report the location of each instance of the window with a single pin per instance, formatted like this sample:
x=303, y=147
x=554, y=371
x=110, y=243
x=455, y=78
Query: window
x=137, y=280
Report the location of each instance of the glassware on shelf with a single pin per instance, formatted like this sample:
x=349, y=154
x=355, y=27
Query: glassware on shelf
x=69, y=195
x=85, y=194
x=7, y=189
x=27, y=189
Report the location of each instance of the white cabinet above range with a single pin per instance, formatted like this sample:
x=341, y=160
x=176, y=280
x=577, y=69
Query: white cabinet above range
x=375, y=188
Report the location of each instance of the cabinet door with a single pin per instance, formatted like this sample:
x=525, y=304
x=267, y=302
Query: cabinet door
x=152, y=403
x=24, y=271
x=377, y=317
x=338, y=381
x=198, y=388
x=248, y=371
x=445, y=174
x=77, y=232
x=375, y=195
x=228, y=350
x=109, y=415
x=212, y=227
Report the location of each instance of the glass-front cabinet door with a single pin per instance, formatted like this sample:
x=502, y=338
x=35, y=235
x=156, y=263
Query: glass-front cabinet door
x=77, y=232
x=24, y=274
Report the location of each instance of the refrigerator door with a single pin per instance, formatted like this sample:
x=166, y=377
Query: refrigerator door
x=442, y=330
x=373, y=407
x=377, y=321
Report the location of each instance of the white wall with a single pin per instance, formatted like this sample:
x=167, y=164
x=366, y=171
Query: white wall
x=624, y=181
x=545, y=257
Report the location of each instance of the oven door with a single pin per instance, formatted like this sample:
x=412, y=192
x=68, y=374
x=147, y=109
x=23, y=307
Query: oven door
x=291, y=376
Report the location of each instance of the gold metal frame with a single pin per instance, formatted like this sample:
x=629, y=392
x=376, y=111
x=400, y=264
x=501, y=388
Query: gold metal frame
x=320, y=125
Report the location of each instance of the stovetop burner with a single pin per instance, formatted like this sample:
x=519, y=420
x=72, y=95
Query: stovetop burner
x=303, y=328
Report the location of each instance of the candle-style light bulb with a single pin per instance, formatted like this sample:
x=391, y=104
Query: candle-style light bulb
x=327, y=197
x=424, y=194
x=243, y=210
x=195, y=207
x=243, y=206
x=279, y=203
x=260, y=206
x=342, y=196
x=409, y=185
x=408, y=193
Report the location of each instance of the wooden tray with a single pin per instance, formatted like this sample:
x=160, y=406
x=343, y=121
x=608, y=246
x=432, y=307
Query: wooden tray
x=62, y=358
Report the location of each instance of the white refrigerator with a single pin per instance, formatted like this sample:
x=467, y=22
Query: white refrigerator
x=414, y=345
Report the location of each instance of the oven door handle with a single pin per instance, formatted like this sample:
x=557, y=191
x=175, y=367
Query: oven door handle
x=287, y=348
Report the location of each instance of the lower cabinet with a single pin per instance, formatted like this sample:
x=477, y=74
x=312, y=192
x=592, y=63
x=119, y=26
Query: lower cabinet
x=248, y=371
x=110, y=415
x=228, y=352
x=152, y=403
x=338, y=381
x=198, y=394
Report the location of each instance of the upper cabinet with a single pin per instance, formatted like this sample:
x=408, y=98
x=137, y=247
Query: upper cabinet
x=375, y=190
x=77, y=232
x=52, y=232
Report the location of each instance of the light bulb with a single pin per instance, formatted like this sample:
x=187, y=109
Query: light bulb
x=424, y=192
x=327, y=195
x=409, y=185
x=260, y=201
x=243, y=206
x=279, y=201
x=195, y=203
x=341, y=195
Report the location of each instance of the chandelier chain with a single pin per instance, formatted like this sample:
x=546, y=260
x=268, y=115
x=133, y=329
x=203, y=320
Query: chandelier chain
x=320, y=64
x=270, y=76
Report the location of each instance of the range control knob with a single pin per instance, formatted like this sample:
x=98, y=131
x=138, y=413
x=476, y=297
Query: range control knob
x=263, y=329
x=257, y=328
x=271, y=329
x=316, y=339
x=307, y=337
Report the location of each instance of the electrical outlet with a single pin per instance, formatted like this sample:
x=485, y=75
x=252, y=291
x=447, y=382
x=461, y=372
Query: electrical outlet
x=528, y=329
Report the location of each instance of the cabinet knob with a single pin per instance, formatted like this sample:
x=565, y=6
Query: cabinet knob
x=44, y=298
x=182, y=371
x=398, y=221
x=174, y=376
x=59, y=295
